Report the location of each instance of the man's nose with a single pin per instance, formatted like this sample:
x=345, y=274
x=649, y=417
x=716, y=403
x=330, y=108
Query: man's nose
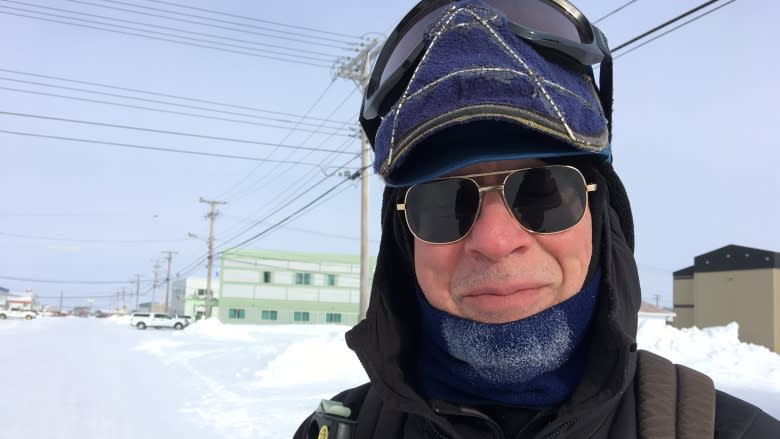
x=496, y=233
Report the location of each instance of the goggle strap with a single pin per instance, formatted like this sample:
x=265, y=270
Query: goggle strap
x=605, y=91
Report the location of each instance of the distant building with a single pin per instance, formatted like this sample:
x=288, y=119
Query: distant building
x=272, y=287
x=190, y=294
x=732, y=284
x=26, y=300
x=151, y=307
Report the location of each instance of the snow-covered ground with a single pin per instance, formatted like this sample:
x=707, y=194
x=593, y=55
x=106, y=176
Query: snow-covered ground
x=76, y=378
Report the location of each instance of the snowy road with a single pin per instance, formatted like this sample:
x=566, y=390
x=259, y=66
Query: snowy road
x=71, y=378
x=80, y=378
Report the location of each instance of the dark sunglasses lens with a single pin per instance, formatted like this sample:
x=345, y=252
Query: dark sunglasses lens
x=442, y=211
x=548, y=199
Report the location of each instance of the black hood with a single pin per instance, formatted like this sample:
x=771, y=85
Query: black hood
x=386, y=341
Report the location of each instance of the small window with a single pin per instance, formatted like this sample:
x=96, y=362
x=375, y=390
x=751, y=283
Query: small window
x=268, y=315
x=333, y=317
x=236, y=313
x=266, y=277
x=301, y=316
x=302, y=278
x=330, y=279
x=201, y=291
x=162, y=316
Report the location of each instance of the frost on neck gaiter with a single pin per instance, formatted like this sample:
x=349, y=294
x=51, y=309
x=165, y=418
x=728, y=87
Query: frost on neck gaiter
x=514, y=352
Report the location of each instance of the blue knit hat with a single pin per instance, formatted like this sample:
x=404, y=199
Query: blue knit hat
x=480, y=93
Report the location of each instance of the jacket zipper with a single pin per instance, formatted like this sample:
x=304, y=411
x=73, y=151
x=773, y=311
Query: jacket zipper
x=471, y=413
x=561, y=428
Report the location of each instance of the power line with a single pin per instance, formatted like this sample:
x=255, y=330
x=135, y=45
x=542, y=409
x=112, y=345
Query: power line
x=311, y=108
x=184, y=98
x=202, y=46
x=105, y=241
x=235, y=236
x=309, y=231
x=107, y=296
x=615, y=11
x=183, y=31
x=78, y=282
x=315, y=40
x=282, y=170
x=174, y=133
x=159, y=110
x=275, y=211
x=304, y=188
x=191, y=267
x=158, y=148
x=188, y=268
x=675, y=28
x=325, y=162
x=288, y=217
x=146, y=33
x=258, y=20
x=661, y=26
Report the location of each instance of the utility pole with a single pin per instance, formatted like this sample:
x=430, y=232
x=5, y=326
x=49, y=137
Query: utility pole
x=154, y=283
x=60, y=301
x=212, y=216
x=137, y=290
x=358, y=69
x=168, y=278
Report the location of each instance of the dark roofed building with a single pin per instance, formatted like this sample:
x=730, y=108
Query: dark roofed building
x=732, y=284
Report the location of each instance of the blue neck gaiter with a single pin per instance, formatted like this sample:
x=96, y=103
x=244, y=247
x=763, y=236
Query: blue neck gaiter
x=535, y=362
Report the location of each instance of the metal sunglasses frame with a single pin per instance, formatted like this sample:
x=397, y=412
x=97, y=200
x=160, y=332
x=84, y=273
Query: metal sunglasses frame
x=482, y=189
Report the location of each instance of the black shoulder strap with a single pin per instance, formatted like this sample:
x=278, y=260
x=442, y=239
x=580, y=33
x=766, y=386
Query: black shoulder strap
x=369, y=414
x=377, y=420
x=673, y=401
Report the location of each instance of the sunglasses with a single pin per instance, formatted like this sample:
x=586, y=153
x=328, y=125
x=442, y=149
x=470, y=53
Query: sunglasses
x=543, y=200
x=552, y=24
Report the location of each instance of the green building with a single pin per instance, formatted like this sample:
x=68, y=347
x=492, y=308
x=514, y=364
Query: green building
x=273, y=287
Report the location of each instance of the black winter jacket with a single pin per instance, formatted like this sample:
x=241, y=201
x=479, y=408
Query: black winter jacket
x=602, y=406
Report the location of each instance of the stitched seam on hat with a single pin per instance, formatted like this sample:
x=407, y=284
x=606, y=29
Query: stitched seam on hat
x=445, y=20
x=557, y=86
x=536, y=78
x=443, y=23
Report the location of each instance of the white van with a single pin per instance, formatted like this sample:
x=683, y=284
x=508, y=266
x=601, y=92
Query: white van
x=143, y=320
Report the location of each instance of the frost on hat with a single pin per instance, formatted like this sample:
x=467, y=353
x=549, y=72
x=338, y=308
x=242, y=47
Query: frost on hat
x=480, y=93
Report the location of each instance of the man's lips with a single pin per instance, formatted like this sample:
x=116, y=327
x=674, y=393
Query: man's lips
x=502, y=290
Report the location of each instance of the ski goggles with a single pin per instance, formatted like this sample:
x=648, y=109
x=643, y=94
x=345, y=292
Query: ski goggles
x=543, y=200
x=550, y=24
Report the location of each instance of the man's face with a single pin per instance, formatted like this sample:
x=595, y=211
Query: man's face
x=500, y=272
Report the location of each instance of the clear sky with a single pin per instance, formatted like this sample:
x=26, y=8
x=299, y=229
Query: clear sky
x=694, y=137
